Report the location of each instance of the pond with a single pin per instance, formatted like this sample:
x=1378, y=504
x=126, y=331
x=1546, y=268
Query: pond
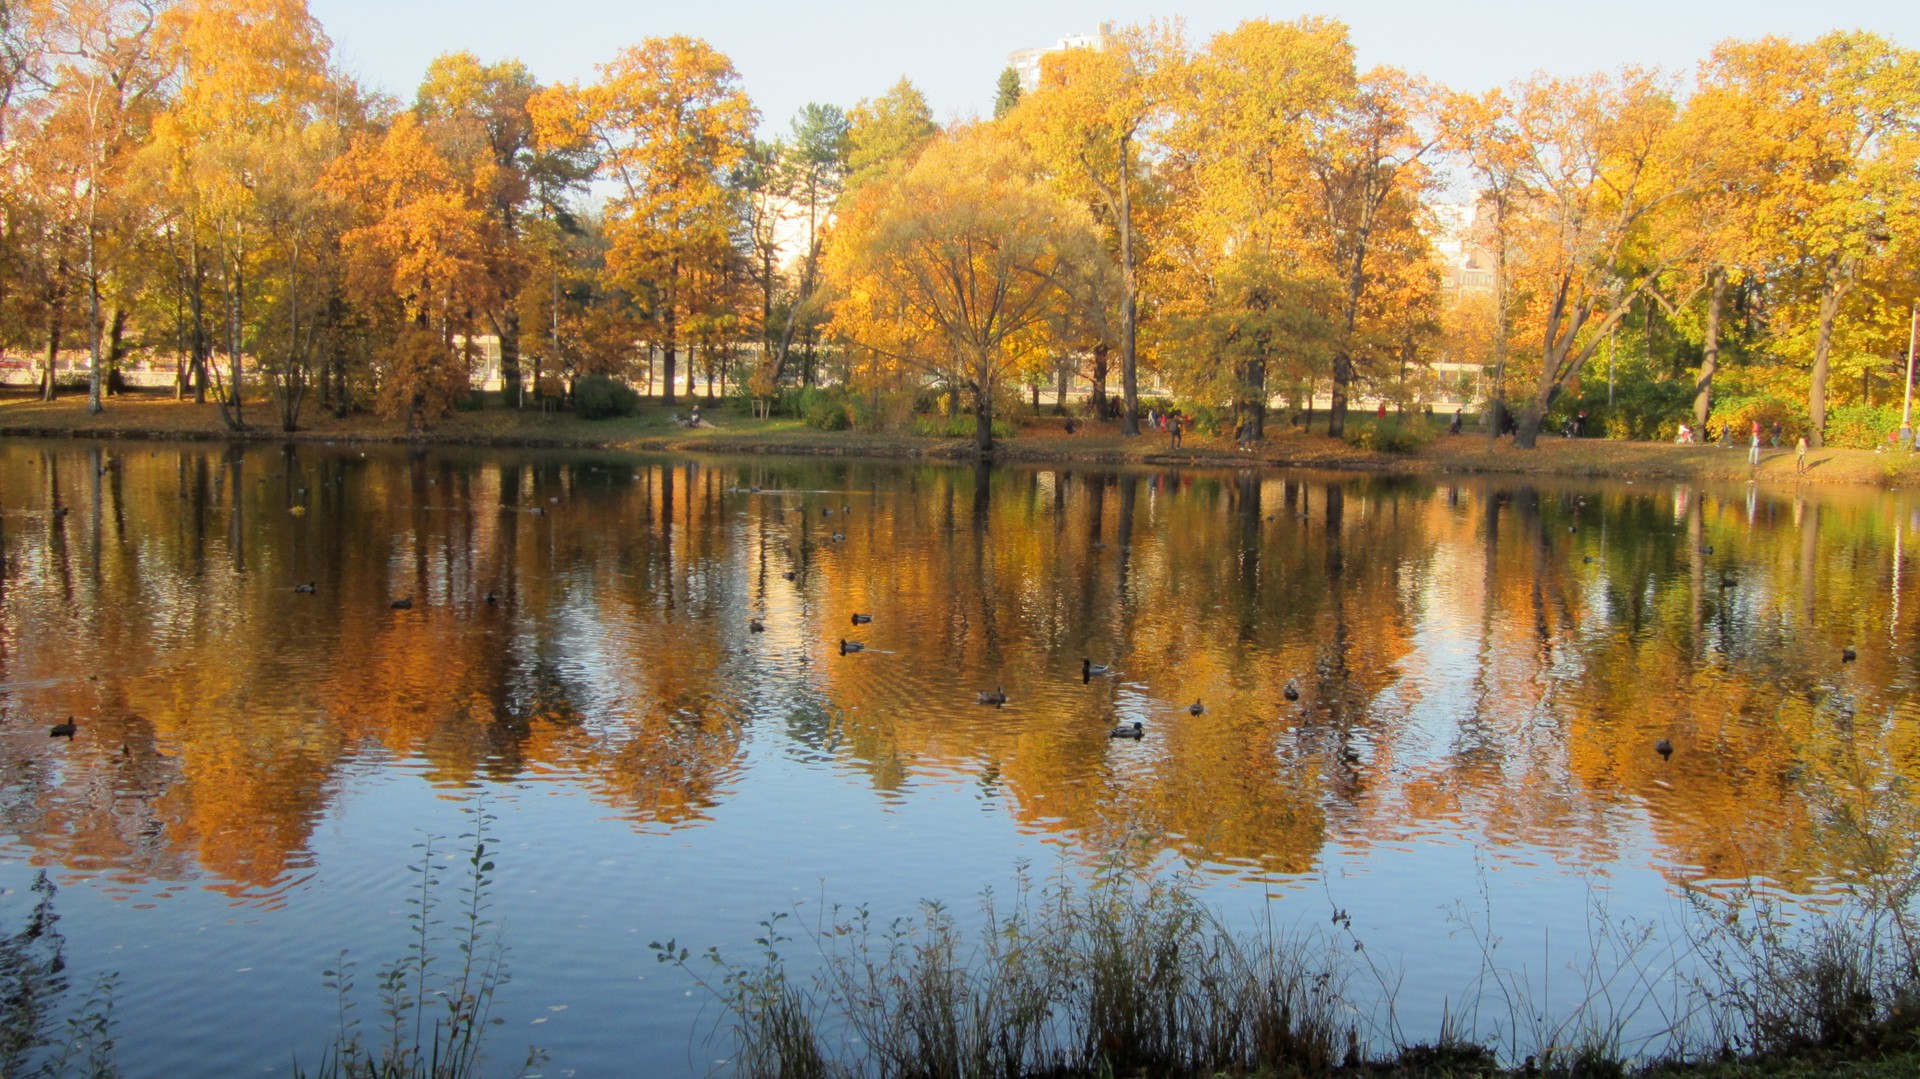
x=1483, y=670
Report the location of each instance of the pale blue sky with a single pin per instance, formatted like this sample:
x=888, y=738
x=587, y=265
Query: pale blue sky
x=840, y=51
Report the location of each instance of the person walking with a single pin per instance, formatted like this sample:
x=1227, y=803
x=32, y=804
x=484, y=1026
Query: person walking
x=1173, y=432
x=1753, y=453
x=1800, y=455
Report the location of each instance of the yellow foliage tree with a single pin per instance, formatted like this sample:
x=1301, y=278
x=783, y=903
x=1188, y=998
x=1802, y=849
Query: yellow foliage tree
x=953, y=267
x=666, y=122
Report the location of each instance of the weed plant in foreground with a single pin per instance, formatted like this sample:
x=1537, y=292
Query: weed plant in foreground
x=436, y=998
x=1132, y=974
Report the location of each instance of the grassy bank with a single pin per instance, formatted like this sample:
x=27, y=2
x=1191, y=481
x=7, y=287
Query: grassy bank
x=1036, y=438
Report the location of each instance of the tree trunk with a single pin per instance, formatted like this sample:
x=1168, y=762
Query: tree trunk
x=48, y=383
x=1342, y=375
x=1129, y=376
x=1710, y=354
x=1060, y=391
x=116, y=347
x=510, y=356
x=1099, y=396
x=1834, y=289
x=693, y=350
x=982, y=417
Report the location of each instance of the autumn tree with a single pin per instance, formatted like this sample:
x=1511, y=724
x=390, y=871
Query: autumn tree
x=1367, y=154
x=953, y=266
x=887, y=132
x=1238, y=254
x=251, y=76
x=1085, y=123
x=420, y=244
x=478, y=116
x=1816, y=124
x=1600, y=171
x=665, y=123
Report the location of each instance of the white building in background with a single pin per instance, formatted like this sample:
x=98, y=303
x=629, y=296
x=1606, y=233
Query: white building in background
x=1026, y=62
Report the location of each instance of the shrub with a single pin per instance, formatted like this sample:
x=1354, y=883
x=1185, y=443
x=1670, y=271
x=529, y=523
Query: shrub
x=824, y=410
x=472, y=402
x=1391, y=435
x=597, y=397
x=961, y=426
x=1862, y=427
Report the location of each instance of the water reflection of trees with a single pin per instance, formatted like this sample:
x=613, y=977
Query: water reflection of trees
x=1498, y=657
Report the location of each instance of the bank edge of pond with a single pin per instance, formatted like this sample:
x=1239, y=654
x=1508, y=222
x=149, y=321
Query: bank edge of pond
x=1041, y=441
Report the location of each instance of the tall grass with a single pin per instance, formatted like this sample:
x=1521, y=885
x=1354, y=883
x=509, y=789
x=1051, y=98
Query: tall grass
x=1123, y=976
x=1132, y=974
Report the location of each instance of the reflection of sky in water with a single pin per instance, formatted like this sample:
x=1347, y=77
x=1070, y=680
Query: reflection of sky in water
x=1470, y=758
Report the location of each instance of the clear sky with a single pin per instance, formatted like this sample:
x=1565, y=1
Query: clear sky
x=839, y=51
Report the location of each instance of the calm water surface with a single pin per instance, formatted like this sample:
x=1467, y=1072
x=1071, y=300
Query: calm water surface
x=1484, y=667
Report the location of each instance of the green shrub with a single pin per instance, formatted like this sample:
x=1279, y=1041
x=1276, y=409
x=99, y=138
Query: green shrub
x=824, y=410
x=471, y=402
x=961, y=426
x=1393, y=435
x=1862, y=427
x=597, y=397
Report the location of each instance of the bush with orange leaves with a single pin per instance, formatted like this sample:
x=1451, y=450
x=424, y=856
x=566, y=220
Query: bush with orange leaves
x=420, y=379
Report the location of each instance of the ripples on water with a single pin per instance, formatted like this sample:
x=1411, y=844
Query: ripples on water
x=1483, y=666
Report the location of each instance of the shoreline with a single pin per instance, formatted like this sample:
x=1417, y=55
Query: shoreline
x=1038, y=439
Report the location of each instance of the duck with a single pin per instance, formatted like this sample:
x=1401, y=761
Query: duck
x=754, y=625
x=995, y=696
x=1292, y=692
x=305, y=589
x=405, y=603
x=59, y=511
x=847, y=646
x=862, y=619
x=1196, y=709
x=1090, y=670
x=1848, y=655
x=1135, y=730
x=790, y=575
x=839, y=537
x=1664, y=748
x=63, y=730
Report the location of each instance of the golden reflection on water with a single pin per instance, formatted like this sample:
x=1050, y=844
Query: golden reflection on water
x=1490, y=656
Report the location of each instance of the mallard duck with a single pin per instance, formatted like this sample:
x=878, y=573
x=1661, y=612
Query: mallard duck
x=405, y=603
x=862, y=619
x=790, y=575
x=754, y=625
x=995, y=696
x=1089, y=669
x=63, y=730
x=305, y=589
x=1292, y=692
x=1848, y=655
x=847, y=646
x=1196, y=709
x=1134, y=730
x=1664, y=748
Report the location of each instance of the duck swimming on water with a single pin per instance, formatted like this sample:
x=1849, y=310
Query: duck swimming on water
x=1090, y=670
x=63, y=730
x=847, y=646
x=995, y=696
x=1134, y=730
x=862, y=619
